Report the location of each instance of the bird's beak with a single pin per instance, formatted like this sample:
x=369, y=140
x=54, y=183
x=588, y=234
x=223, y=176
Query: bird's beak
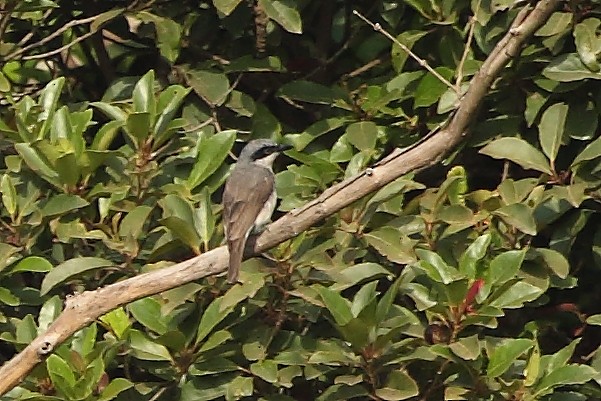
x=282, y=148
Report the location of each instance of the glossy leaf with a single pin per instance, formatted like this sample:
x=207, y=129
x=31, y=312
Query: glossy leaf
x=505, y=355
x=212, y=152
x=473, y=254
x=551, y=129
x=518, y=151
x=284, y=12
x=71, y=268
x=436, y=268
x=210, y=86
x=519, y=216
x=362, y=135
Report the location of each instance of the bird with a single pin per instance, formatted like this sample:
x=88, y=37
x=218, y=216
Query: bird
x=249, y=198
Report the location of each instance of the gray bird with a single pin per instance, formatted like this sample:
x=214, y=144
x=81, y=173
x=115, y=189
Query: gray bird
x=249, y=198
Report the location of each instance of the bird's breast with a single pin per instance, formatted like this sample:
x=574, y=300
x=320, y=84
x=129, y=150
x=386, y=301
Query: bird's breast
x=265, y=214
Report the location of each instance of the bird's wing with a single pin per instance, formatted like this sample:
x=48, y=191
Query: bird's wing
x=244, y=196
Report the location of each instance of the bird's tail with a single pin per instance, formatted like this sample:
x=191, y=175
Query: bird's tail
x=236, y=250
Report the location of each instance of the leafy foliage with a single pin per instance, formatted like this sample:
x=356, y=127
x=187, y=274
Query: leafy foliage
x=475, y=280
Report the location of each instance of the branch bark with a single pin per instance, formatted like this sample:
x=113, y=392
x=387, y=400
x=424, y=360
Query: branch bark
x=82, y=309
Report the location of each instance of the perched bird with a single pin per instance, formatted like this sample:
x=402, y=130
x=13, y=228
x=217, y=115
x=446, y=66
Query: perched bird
x=249, y=198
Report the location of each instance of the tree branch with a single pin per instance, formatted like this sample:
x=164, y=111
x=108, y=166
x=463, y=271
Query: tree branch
x=82, y=309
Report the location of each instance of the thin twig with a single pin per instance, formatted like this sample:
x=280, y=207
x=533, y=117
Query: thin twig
x=53, y=35
x=466, y=50
x=366, y=67
x=158, y=394
x=5, y=18
x=60, y=49
x=33, y=31
x=378, y=28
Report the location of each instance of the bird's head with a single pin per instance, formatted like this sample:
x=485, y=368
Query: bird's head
x=262, y=152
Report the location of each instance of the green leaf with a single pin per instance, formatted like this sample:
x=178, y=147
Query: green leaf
x=560, y=358
x=519, y=216
x=146, y=349
x=170, y=101
x=184, y=230
x=111, y=111
x=143, y=96
x=61, y=375
x=216, y=339
x=68, y=170
x=138, y=125
x=4, y=83
x=168, y=34
x=266, y=370
x=8, y=255
x=588, y=43
x=430, y=88
x=532, y=370
x=39, y=165
x=212, y=152
x=592, y=151
x=595, y=320
x=567, y=68
x=114, y=388
x=554, y=260
x=504, y=355
x=389, y=242
x=240, y=387
x=307, y=91
x=148, y=312
x=467, y=348
x=211, y=317
x=534, y=103
x=337, y=305
x=180, y=220
x=505, y=266
x=210, y=86
x=399, y=386
x=204, y=217
x=518, y=151
x=105, y=135
x=565, y=375
x=408, y=38
x=226, y=6
x=48, y=102
x=436, y=268
x=362, y=135
x=314, y=131
x=104, y=17
x=32, y=264
x=582, y=120
x=516, y=295
x=63, y=203
x=557, y=23
x=473, y=254
x=354, y=274
x=132, y=224
x=364, y=298
x=7, y=298
x=238, y=293
x=71, y=268
x=118, y=321
x=387, y=301
x=283, y=12
x=551, y=129
x=9, y=194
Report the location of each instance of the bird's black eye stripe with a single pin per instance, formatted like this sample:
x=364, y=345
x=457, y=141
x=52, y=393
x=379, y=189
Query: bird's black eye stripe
x=263, y=152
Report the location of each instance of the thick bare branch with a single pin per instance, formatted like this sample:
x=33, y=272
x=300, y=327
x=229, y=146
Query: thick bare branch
x=82, y=309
